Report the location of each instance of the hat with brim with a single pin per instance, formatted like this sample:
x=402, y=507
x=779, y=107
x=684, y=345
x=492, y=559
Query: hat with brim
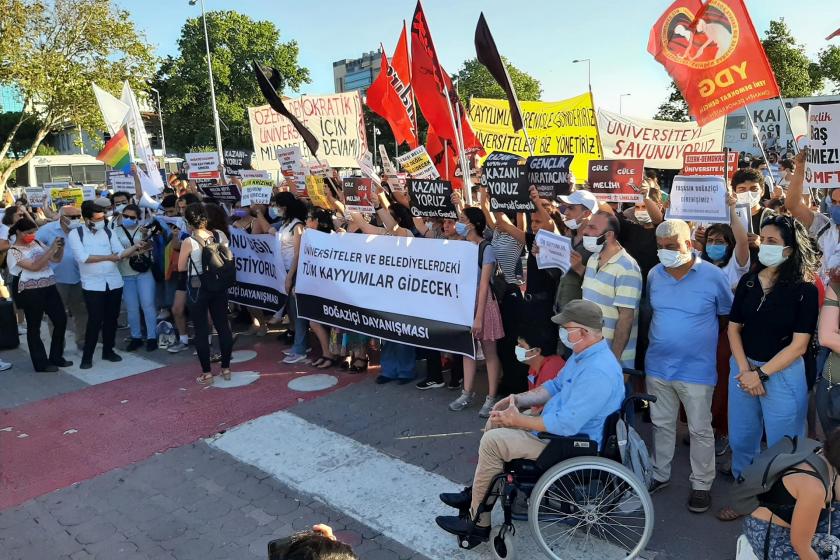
x=581, y=312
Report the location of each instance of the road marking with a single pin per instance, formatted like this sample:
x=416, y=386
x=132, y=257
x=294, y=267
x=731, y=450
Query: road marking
x=395, y=498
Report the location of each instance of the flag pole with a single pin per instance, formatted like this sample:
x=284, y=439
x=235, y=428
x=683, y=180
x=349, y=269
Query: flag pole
x=462, y=157
x=790, y=125
x=761, y=147
x=460, y=141
x=411, y=84
x=446, y=156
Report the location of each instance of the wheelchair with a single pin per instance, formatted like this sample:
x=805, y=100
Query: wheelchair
x=579, y=502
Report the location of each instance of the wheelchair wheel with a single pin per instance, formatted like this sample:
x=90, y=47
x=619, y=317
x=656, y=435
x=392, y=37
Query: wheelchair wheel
x=502, y=544
x=590, y=507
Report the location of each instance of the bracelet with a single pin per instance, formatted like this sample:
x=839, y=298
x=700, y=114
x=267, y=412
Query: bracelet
x=761, y=375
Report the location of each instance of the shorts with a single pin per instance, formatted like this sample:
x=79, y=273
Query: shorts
x=181, y=282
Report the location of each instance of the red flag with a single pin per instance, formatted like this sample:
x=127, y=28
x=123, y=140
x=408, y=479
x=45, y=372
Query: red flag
x=713, y=53
x=445, y=159
x=390, y=96
x=833, y=35
x=428, y=79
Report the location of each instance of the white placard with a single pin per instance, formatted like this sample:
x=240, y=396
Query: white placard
x=698, y=198
x=387, y=164
x=257, y=187
x=555, y=250
x=260, y=274
x=203, y=165
x=36, y=196
x=120, y=182
x=823, y=168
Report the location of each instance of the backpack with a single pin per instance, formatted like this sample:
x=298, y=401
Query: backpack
x=166, y=334
x=218, y=269
x=139, y=262
x=769, y=467
x=81, y=231
x=634, y=452
x=498, y=284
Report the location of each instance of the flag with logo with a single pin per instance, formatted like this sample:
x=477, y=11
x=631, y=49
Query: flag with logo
x=390, y=96
x=428, y=80
x=713, y=53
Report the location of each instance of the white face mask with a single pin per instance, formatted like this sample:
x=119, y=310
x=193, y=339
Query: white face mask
x=119, y=208
x=73, y=222
x=571, y=224
x=750, y=197
x=591, y=244
x=771, y=255
x=99, y=225
x=673, y=259
x=642, y=216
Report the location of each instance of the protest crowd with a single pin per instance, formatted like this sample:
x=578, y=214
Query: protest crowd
x=722, y=288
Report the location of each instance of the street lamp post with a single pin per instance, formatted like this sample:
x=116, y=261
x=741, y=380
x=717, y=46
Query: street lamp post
x=212, y=88
x=588, y=70
x=620, y=99
x=160, y=120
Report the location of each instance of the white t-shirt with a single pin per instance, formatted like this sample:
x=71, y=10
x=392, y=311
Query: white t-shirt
x=734, y=271
x=287, y=243
x=29, y=278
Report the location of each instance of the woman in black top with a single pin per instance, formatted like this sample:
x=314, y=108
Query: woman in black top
x=773, y=317
x=795, y=508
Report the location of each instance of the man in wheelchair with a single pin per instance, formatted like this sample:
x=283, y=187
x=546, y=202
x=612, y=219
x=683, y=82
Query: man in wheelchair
x=577, y=401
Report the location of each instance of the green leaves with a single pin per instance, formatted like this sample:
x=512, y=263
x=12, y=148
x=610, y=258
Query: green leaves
x=675, y=108
x=475, y=81
x=790, y=63
x=235, y=40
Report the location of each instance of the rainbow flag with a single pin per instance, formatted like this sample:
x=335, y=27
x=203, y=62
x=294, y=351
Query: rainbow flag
x=116, y=152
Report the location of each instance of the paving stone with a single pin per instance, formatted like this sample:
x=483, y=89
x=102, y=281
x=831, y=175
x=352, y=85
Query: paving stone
x=166, y=529
x=94, y=531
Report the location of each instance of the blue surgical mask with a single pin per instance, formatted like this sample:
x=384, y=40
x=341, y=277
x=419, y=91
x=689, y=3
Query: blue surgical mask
x=564, y=338
x=461, y=229
x=521, y=354
x=129, y=222
x=716, y=252
x=274, y=213
x=834, y=212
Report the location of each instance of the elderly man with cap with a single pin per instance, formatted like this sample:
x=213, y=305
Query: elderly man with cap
x=579, y=400
x=577, y=208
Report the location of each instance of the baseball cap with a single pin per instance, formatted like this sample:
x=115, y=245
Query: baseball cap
x=102, y=202
x=582, y=312
x=582, y=198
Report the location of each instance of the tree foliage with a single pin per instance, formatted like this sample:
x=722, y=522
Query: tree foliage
x=474, y=80
x=675, y=108
x=235, y=40
x=52, y=50
x=829, y=65
x=796, y=75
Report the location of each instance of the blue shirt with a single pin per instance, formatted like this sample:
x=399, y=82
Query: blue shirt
x=684, y=329
x=590, y=388
x=66, y=271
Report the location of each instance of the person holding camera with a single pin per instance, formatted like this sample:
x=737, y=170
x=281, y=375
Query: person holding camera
x=29, y=260
x=97, y=250
x=139, y=281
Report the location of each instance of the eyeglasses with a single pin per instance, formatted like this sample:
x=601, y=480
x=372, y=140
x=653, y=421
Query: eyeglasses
x=129, y=217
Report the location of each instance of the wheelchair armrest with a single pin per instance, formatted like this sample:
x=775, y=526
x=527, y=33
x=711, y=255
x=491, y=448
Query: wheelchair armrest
x=633, y=372
x=549, y=436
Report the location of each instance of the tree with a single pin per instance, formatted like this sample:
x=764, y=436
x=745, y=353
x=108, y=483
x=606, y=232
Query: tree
x=829, y=65
x=474, y=80
x=24, y=135
x=796, y=75
x=235, y=40
x=55, y=50
x=675, y=108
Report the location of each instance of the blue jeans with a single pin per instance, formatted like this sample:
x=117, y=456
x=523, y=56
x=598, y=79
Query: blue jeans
x=301, y=335
x=139, y=293
x=780, y=412
x=397, y=361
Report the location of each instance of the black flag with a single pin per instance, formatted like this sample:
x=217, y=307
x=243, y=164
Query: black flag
x=488, y=55
x=270, y=81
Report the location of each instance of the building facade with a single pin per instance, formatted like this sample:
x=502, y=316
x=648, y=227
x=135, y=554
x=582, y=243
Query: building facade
x=356, y=74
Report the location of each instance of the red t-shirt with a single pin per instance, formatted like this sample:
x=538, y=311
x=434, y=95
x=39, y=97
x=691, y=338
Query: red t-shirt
x=551, y=368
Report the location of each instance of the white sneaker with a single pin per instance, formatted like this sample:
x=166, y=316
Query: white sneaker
x=462, y=402
x=5, y=365
x=294, y=358
x=177, y=347
x=489, y=402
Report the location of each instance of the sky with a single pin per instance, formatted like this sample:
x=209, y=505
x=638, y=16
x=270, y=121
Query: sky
x=541, y=37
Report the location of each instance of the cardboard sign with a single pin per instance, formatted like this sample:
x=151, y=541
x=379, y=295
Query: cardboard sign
x=66, y=196
x=120, y=182
x=237, y=160
x=617, y=180
x=203, y=165
x=89, y=192
x=418, y=164
x=357, y=194
x=431, y=198
x=397, y=182
x=337, y=120
x=822, y=170
x=228, y=194
x=506, y=178
x=257, y=187
x=387, y=164
x=555, y=250
x=709, y=163
x=316, y=191
x=319, y=169
x=291, y=166
x=699, y=198
x=551, y=175
x=36, y=196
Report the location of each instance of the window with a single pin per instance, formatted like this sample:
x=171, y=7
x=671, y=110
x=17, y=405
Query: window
x=60, y=173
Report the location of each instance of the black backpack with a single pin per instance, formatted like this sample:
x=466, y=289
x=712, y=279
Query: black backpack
x=218, y=267
x=139, y=262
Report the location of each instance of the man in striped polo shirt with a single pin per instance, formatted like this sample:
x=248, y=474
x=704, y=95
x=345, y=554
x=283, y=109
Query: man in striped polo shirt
x=612, y=280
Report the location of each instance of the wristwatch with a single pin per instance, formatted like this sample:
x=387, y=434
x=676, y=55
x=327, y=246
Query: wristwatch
x=763, y=377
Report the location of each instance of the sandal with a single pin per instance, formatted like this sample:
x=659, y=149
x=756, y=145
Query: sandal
x=326, y=363
x=728, y=514
x=359, y=366
x=226, y=374
x=318, y=362
x=204, y=379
